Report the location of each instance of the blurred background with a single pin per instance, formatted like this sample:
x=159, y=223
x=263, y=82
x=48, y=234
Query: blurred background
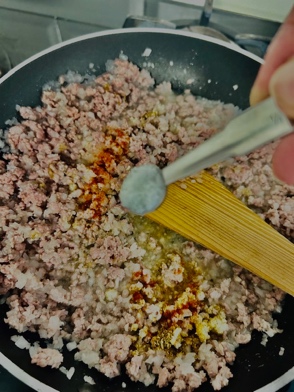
x=28, y=26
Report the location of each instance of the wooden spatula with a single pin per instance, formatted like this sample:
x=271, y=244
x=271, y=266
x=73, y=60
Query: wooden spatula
x=206, y=212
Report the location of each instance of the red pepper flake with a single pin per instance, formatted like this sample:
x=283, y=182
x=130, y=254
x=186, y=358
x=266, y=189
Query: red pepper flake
x=137, y=275
x=97, y=192
x=137, y=296
x=171, y=316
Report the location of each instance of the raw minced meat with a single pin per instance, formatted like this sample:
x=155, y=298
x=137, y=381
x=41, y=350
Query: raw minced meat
x=118, y=289
x=47, y=357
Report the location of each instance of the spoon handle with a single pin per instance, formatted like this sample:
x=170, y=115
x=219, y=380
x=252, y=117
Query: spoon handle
x=253, y=128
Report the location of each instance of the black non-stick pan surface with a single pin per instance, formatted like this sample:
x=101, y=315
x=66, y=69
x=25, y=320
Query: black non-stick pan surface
x=218, y=72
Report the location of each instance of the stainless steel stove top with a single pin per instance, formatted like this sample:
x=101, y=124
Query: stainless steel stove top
x=22, y=34
x=250, y=33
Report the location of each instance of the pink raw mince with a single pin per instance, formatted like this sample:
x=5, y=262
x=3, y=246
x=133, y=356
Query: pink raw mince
x=76, y=267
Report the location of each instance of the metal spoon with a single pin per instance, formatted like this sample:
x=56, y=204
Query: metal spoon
x=144, y=188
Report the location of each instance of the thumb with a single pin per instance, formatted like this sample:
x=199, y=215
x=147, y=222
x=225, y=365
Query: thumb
x=282, y=87
x=283, y=160
x=279, y=52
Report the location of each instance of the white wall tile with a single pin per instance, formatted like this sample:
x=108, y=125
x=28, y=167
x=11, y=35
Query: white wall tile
x=109, y=13
x=267, y=9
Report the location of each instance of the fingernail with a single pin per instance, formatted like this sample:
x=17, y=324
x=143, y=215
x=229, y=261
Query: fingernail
x=282, y=87
x=257, y=95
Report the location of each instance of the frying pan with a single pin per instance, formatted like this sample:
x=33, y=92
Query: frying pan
x=219, y=71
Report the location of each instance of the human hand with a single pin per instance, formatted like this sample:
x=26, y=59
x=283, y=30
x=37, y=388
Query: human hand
x=276, y=78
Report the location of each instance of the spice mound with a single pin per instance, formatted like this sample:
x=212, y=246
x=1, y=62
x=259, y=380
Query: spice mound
x=117, y=290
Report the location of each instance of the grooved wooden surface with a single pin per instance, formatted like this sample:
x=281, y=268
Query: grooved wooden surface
x=206, y=212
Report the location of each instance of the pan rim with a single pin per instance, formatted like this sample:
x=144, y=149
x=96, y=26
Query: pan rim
x=23, y=376
x=228, y=45
x=12, y=368
x=39, y=386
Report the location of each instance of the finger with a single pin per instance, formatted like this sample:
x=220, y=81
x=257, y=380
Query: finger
x=282, y=88
x=283, y=160
x=279, y=51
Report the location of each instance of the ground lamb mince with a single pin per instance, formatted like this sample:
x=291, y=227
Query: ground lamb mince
x=80, y=271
